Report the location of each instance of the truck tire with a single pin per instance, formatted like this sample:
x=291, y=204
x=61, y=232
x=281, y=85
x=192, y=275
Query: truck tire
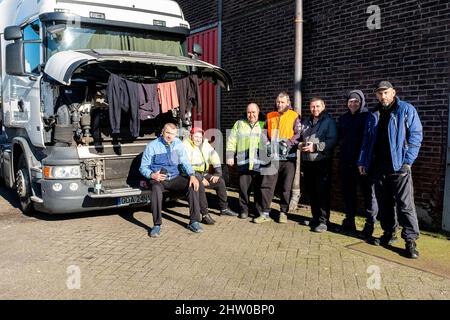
x=23, y=186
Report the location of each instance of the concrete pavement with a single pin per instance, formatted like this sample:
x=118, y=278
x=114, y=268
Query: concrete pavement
x=108, y=255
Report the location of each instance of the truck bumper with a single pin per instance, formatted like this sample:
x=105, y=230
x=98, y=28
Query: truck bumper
x=69, y=196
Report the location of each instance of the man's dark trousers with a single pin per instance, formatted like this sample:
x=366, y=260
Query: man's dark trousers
x=221, y=191
x=395, y=193
x=351, y=178
x=285, y=174
x=178, y=184
x=246, y=180
x=318, y=184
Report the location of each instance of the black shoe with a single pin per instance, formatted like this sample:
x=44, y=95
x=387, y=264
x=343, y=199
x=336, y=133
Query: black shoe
x=348, y=225
x=228, y=212
x=312, y=223
x=367, y=232
x=243, y=215
x=411, y=251
x=371, y=240
x=366, y=235
x=253, y=214
x=387, y=239
x=207, y=219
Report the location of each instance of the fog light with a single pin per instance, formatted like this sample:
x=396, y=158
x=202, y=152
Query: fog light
x=73, y=186
x=57, y=187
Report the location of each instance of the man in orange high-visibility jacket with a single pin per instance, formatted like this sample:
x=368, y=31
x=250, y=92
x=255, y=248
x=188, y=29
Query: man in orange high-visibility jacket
x=283, y=132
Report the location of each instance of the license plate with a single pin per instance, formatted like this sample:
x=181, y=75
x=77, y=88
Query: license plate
x=143, y=198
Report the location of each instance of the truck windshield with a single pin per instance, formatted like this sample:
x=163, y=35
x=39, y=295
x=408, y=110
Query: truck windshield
x=62, y=37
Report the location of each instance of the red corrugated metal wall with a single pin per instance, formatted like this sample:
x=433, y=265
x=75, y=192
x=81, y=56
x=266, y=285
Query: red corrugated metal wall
x=208, y=40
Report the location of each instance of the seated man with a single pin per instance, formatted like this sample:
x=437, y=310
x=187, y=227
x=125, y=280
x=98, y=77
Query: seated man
x=163, y=161
x=201, y=155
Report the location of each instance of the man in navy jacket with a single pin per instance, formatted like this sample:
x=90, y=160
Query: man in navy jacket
x=351, y=132
x=391, y=144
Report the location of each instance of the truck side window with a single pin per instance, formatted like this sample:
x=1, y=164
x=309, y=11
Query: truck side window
x=32, y=46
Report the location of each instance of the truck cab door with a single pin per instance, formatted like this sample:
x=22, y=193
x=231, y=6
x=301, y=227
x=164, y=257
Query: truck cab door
x=22, y=97
x=25, y=107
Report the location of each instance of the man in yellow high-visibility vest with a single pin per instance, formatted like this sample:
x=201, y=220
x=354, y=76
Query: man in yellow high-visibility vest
x=244, y=144
x=201, y=155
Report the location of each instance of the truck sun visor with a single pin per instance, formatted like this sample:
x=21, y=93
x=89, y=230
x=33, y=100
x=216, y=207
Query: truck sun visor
x=63, y=65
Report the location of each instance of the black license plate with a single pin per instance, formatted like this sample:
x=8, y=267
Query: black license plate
x=124, y=201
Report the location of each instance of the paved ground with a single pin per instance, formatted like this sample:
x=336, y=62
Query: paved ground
x=41, y=257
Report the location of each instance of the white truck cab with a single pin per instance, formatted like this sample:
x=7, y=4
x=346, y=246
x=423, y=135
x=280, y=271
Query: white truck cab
x=56, y=146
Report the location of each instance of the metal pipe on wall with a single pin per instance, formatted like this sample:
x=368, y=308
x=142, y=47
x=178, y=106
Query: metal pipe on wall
x=295, y=196
x=446, y=212
x=219, y=62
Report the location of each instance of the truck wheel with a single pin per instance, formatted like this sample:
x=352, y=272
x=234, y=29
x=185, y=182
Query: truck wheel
x=23, y=186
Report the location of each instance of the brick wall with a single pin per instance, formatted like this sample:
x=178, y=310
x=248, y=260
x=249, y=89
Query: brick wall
x=257, y=49
x=411, y=49
x=340, y=53
x=199, y=13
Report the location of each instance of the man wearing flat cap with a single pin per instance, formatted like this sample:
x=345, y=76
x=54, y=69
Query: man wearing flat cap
x=391, y=144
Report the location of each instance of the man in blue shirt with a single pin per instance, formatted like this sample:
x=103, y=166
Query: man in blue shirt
x=165, y=164
x=391, y=144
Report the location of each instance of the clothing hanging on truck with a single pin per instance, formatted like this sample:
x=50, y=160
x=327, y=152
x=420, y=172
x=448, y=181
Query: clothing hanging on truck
x=123, y=95
x=188, y=95
x=168, y=97
x=148, y=101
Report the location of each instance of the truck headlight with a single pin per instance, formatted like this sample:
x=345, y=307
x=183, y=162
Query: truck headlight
x=62, y=172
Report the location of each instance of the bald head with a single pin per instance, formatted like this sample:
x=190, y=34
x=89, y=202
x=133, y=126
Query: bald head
x=252, y=113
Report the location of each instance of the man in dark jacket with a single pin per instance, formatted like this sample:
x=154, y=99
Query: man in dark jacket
x=351, y=132
x=319, y=137
x=391, y=144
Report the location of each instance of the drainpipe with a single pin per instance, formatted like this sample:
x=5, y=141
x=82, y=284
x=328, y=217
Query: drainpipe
x=295, y=196
x=446, y=213
x=219, y=62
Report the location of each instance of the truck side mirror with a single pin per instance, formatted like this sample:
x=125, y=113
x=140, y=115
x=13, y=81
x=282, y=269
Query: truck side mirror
x=197, y=49
x=12, y=33
x=15, y=62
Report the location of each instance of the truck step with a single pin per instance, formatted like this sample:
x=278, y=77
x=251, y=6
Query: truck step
x=36, y=199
